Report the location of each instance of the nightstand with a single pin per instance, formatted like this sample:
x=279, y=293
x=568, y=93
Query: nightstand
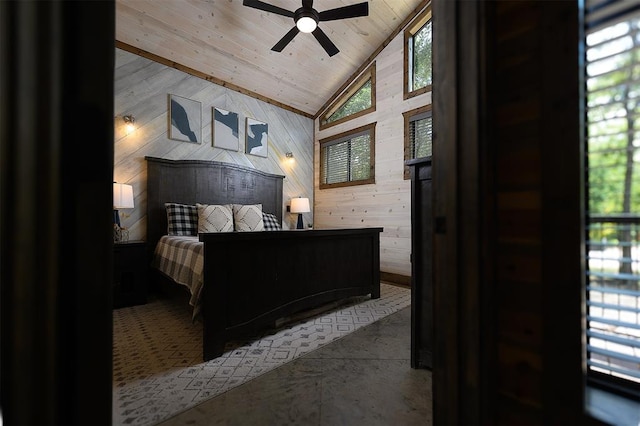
x=129, y=273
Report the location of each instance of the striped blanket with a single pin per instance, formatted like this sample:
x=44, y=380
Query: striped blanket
x=181, y=259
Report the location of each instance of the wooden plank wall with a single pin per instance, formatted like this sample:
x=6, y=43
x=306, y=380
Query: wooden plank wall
x=536, y=140
x=141, y=89
x=508, y=278
x=387, y=203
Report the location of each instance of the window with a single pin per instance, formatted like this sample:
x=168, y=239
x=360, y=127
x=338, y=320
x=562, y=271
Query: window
x=348, y=158
x=417, y=55
x=418, y=134
x=613, y=195
x=358, y=100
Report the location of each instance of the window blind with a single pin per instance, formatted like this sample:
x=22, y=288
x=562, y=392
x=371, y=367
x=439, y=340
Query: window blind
x=347, y=159
x=613, y=192
x=421, y=134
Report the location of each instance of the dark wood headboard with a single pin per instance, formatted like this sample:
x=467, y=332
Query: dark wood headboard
x=205, y=182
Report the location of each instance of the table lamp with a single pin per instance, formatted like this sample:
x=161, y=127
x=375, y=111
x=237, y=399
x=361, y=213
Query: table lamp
x=122, y=199
x=300, y=205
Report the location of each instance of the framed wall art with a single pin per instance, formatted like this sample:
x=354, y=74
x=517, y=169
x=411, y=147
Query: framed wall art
x=185, y=119
x=225, y=129
x=256, y=137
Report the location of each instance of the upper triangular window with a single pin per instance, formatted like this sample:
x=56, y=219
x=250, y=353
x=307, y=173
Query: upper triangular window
x=357, y=100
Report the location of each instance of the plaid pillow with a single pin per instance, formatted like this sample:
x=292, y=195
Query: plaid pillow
x=182, y=219
x=270, y=222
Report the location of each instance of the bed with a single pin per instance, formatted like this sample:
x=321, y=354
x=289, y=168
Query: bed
x=251, y=280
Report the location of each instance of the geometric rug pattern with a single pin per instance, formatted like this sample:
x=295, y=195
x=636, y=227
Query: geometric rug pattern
x=157, y=353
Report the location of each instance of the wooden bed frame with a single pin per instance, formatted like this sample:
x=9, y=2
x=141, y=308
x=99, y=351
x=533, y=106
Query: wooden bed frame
x=253, y=279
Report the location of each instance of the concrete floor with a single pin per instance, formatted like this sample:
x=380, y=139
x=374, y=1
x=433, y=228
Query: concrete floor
x=364, y=378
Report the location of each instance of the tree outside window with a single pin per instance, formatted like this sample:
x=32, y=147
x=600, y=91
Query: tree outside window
x=418, y=44
x=357, y=100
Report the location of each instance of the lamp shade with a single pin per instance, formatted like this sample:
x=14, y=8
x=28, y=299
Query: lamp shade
x=122, y=196
x=300, y=205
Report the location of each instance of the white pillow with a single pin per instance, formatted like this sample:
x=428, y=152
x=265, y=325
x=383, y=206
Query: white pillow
x=215, y=218
x=248, y=217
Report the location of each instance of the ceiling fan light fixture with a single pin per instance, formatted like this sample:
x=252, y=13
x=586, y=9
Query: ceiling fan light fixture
x=306, y=24
x=307, y=18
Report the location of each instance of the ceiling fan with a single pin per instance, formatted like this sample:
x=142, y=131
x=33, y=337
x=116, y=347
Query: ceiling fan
x=307, y=18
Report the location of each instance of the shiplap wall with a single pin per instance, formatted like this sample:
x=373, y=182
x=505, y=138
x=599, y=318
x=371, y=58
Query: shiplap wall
x=387, y=203
x=141, y=89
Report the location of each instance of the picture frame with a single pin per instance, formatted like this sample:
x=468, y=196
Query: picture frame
x=225, y=127
x=185, y=119
x=256, y=137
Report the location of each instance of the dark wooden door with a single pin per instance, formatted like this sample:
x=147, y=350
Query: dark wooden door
x=421, y=263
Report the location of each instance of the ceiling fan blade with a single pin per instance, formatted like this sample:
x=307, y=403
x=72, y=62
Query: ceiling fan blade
x=257, y=4
x=352, y=11
x=325, y=42
x=286, y=39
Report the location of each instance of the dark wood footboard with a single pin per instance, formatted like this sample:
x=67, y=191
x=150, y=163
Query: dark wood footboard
x=251, y=279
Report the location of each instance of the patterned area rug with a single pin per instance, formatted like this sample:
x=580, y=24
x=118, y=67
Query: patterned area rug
x=157, y=353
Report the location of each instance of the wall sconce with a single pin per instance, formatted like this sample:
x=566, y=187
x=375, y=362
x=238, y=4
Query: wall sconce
x=129, y=123
x=289, y=156
x=300, y=205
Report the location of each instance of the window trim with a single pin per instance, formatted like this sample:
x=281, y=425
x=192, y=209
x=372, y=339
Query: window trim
x=340, y=137
x=408, y=116
x=409, y=32
x=368, y=74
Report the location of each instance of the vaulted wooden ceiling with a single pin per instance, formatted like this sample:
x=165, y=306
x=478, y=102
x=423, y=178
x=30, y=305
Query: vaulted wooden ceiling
x=231, y=43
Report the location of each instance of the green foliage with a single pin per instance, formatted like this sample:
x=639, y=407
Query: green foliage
x=613, y=109
x=359, y=101
x=422, y=49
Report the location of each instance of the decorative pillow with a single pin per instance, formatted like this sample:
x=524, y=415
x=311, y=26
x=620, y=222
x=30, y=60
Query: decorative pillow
x=182, y=219
x=270, y=222
x=248, y=217
x=215, y=217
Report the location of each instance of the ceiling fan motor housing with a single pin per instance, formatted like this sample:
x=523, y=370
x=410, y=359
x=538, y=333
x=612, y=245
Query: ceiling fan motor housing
x=306, y=13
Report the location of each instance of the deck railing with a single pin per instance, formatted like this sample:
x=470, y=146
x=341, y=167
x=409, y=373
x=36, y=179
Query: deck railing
x=613, y=295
